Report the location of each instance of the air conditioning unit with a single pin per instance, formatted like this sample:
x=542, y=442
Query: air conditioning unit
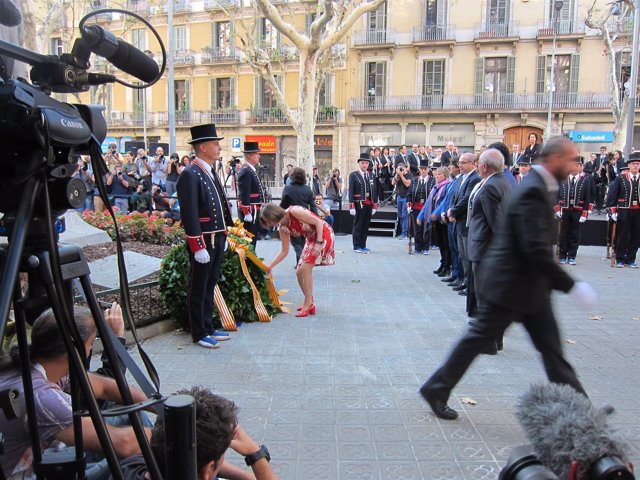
x=116, y=115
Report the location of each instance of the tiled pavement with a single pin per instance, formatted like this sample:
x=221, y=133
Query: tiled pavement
x=334, y=396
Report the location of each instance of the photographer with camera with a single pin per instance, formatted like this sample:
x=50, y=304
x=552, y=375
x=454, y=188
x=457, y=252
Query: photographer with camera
x=402, y=181
x=333, y=189
x=113, y=157
x=159, y=166
x=84, y=174
x=141, y=200
x=172, y=174
x=251, y=194
x=143, y=169
x=120, y=188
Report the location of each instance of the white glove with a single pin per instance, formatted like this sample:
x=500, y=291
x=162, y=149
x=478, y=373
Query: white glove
x=559, y=214
x=373, y=212
x=584, y=295
x=248, y=218
x=202, y=256
x=582, y=219
x=614, y=217
x=408, y=209
x=352, y=211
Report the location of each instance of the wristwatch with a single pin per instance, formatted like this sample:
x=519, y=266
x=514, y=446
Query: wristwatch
x=254, y=457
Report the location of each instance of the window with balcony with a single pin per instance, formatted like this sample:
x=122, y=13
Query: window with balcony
x=182, y=98
x=498, y=12
x=223, y=93
x=268, y=36
x=265, y=98
x=376, y=27
x=432, y=83
x=102, y=95
x=139, y=38
x=56, y=47
x=375, y=83
x=435, y=12
x=180, y=38
x=223, y=40
x=495, y=79
x=325, y=95
x=567, y=12
x=623, y=72
x=565, y=74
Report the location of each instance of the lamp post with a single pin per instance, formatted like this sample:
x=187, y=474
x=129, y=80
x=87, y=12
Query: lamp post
x=634, y=82
x=557, y=6
x=170, y=78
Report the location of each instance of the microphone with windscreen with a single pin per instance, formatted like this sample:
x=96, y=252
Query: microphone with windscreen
x=10, y=15
x=121, y=54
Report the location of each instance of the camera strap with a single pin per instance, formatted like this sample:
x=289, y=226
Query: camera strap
x=100, y=170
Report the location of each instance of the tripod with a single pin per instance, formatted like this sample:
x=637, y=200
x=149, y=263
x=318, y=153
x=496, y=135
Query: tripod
x=33, y=249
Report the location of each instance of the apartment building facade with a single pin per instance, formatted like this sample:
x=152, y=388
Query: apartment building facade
x=414, y=71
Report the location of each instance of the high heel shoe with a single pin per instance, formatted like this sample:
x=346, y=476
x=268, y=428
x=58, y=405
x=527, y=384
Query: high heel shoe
x=305, y=313
x=300, y=307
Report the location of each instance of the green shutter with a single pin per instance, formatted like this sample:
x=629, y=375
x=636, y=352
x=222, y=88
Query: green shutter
x=258, y=84
x=541, y=74
x=214, y=34
x=214, y=93
x=511, y=74
x=232, y=93
x=479, y=76
x=574, y=73
x=187, y=93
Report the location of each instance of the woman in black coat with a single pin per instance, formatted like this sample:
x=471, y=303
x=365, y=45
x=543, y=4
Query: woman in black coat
x=534, y=148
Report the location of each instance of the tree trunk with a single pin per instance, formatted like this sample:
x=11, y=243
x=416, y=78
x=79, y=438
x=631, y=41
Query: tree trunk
x=307, y=108
x=620, y=127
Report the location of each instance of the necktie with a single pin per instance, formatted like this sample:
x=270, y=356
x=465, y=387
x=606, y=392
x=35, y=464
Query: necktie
x=572, y=191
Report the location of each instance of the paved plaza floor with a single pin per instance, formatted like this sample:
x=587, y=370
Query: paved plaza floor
x=335, y=395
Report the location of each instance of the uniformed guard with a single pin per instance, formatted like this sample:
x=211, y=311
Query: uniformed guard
x=251, y=193
x=418, y=193
x=575, y=202
x=362, y=192
x=624, y=207
x=524, y=167
x=205, y=216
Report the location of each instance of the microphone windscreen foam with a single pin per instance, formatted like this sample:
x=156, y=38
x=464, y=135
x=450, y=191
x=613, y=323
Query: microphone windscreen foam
x=10, y=15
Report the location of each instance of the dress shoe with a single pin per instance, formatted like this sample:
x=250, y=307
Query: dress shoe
x=439, y=270
x=448, y=279
x=439, y=407
x=460, y=287
x=444, y=273
x=463, y=293
x=500, y=346
x=456, y=283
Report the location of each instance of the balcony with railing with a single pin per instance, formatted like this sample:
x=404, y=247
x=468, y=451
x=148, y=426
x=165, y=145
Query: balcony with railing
x=184, y=58
x=179, y=6
x=141, y=7
x=620, y=25
x=374, y=37
x=563, y=28
x=220, y=4
x=496, y=30
x=434, y=34
x=210, y=55
x=273, y=115
x=563, y=101
x=328, y=114
x=282, y=53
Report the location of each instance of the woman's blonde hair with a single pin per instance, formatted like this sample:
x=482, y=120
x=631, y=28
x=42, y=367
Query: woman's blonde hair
x=271, y=214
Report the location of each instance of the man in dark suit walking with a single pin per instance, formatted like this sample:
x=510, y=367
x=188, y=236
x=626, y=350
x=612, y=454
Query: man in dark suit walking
x=483, y=217
x=520, y=254
x=458, y=213
x=205, y=215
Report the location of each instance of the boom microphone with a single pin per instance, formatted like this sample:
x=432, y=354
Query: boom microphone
x=570, y=436
x=120, y=53
x=9, y=14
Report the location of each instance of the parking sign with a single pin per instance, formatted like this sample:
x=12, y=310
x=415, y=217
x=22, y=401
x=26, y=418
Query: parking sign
x=235, y=144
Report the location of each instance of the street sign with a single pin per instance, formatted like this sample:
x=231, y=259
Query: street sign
x=591, y=136
x=235, y=144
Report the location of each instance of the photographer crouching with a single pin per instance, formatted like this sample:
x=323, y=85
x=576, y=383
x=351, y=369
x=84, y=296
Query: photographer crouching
x=120, y=184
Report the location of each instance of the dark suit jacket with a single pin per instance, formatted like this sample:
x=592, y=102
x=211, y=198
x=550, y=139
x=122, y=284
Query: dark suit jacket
x=300, y=195
x=519, y=269
x=445, y=158
x=533, y=153
x=414, y=160
x=484, y=215
x=460, y=202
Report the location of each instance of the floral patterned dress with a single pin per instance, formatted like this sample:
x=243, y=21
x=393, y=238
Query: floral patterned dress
x=296, y=228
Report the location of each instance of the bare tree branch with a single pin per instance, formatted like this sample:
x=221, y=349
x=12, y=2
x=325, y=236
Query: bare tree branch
x=342, y=28
x=272, y=14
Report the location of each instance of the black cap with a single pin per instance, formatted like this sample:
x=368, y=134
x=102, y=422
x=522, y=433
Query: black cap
x=524, y=160
x=203, y=133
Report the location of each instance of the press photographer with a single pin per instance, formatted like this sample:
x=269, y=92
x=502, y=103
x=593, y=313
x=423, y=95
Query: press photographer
x=172, y=173
x=333, y=189
x=120, y=189
x=158, y=167
x=402, y=181
x=141, y=200
x=113, y=157
x=143, y=168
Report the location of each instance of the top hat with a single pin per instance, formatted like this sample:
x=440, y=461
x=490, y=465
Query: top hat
x=524, y=160
x=364, y=158
x=203, y=133
x=424, y=163
x=634, y=157
x=251, y=147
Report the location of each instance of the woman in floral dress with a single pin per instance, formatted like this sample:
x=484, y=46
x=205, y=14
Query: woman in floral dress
x=318, y=248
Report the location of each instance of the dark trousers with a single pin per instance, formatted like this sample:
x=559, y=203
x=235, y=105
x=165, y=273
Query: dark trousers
x=453, y=247
x=472, y=299
x=419, y=235
x=253, y=227
x=600, y=191
x=361, y=223
x=627, y=235
x=569, y=233
x=441, y=233
x=492, y=321
x=461, y=240
x=202, y=281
